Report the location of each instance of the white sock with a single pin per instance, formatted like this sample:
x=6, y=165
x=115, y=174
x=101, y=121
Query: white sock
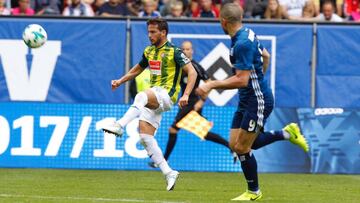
x=164, y=167
x=256, y=192
x=286, y=134
x=135, y=109
x=154, y=152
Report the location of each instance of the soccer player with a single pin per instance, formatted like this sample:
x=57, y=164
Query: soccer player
x=250, y=61
x=166, y=63
x=195, y=103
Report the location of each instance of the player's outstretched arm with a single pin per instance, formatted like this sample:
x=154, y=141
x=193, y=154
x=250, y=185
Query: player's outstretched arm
x=266, y=60
x=239, y=80
x=190, y=70
x=133, y=72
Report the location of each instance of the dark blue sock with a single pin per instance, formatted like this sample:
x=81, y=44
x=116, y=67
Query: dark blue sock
x=266, y=138
x=249, y=167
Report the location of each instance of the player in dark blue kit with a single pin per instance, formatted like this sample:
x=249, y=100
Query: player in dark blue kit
x=250, y=61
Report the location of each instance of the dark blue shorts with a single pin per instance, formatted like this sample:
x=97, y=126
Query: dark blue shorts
x=251, y=115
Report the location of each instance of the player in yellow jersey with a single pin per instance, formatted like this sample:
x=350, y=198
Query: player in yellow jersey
x=166, y=63
x=195, y=103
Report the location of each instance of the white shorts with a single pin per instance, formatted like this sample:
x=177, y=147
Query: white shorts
x=153, y=116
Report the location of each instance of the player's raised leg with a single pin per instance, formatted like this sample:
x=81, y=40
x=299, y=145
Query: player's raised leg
x=117, y=128
x=295, y=136
x=290, y=132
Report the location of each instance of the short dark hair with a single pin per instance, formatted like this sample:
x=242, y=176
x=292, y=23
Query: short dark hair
x=231, y=12
x=329, y=2
x=160, y=22
x=227, y=2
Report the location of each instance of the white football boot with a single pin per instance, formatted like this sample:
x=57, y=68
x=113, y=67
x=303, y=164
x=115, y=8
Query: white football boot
x=114, y=128
x=171, y=178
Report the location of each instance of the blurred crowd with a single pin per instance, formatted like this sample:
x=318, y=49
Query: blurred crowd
x=321, y=10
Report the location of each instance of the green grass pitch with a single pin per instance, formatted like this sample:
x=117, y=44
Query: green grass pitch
x=50, y=185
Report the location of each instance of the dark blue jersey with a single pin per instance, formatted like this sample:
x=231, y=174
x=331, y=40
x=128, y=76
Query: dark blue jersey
x=246, y=54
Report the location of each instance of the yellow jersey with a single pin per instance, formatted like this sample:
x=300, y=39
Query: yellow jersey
x=165, y=64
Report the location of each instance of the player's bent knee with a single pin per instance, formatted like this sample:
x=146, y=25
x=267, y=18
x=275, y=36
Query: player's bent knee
x=240, y=148
x=152, y=102
x=140, y=99
x=140, y=96
x=232, y=145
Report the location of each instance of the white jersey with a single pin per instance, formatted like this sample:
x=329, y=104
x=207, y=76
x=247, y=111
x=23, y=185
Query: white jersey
x=334, y=18
x=294, y=7
x=81, y=10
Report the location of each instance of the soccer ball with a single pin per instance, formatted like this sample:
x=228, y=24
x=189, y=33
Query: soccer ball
x=34, y=36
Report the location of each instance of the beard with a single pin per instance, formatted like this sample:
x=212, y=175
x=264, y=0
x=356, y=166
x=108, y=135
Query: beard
x=156, y=42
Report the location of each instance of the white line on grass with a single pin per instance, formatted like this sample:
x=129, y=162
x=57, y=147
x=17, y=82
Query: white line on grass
x=82, y=198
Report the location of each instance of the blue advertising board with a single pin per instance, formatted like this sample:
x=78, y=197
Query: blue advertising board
x=337, y=72
x=75, y=65
x=289, y=46
x=333, y=135
x=44, y=135
x=69, y=136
